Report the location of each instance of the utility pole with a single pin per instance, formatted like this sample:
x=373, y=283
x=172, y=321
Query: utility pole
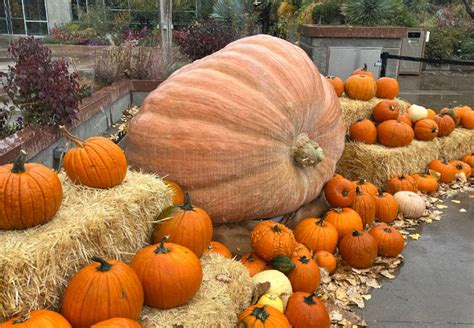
x=166, y=26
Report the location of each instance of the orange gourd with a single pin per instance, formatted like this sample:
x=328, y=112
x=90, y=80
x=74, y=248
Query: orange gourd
x=37, y=319
x=360, y=87
x=401, y=183
x=102, y=290
x=393, y=133
x=405, y=119
x=358, y=249
x=262, y=316
x=337, y=84
x=366, y=186
x=445, y=123
x=189, y=226
x=305, y=277
x=390, y=241
x=218, y=248
x=364, y=131
x=426, y=129
x=117, y=323
x=364, y=205
x=171, y=274
x=31, y=194
x=178, y=194
x=326, y=260
x=426, y=182
x=447, y=172
x=386, y=110
x=96, y=162
x=270, y=239
x=344, y=220
x=386, y=207
x=253, y=263
x=301, y=250
x=469, y=159
x=254, y=115
x=462, y=167
x=460, y=110
x=306, y=310
x=339, y=192
x=387, y=87
x=316, y=234
x=467, y=120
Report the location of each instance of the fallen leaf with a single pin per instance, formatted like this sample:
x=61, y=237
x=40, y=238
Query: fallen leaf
x=441, y=206
x=415, y=236
x=462, y=210
x=335, y=315
x=341, y=295
x=456, y=201
x=367, y=297
x=373, y=283
x=387, y=274
x=259, y=290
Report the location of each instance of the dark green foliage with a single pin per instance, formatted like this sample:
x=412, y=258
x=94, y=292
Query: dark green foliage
x=328, y=12
x=369, y=12
x=445, y=43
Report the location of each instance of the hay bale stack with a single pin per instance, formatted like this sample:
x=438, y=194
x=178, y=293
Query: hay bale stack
x=354, y=110
x=226, y=291
x=378, y=163
x=36, y=264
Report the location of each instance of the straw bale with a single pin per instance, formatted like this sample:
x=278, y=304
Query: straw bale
x=36, y=264
x=354, y=110
x=377, y=163
x=226, y=291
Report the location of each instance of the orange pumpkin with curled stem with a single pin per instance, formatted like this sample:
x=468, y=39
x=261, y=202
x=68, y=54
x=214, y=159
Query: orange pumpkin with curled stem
x=305, y=277
x=358, y=249
x=337, y=84
x=95, y=162
x=364, y=205
x=364, y=131
x=447, y=172
x=117, y=323
x=386, y=207
x=31, y=194
x=38, y=319
x=326, y=260
x=317, y=234
x=401, y=183
x=218, y=248
x=390, y=241
x=462, y=167
x=306, y=310
x=386, y=110
x=363, y=71
x=261, y=316
x=339, y=192
x=344, y=220
x=270, y=239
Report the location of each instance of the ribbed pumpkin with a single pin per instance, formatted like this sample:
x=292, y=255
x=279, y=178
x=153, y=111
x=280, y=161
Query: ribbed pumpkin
x=445, y=123
x=363, y=71
x=117, y=323
x=386, y=110
x=364, y=131
x=366, y=186
x=185, y=225
x=405, y=119
x=326, y=260
x=364, y=205
x=358, y=249
x=305, y=277
x=171, y=274
x=467, y=120
x=393, y=133
x=447, y=171
x=403, y=182
x=386, y=207
x=390, y=241
x=253, y=263
x=455, y=115
x=31, y=194
x=178, y=196
x=305, y=310
x=218, y=248
x=360, y=87
x=469, y=159
x=426, y=129
x=270, y=239
x=344, y=220
x=410, y=204
x=102, y=290
x=38, y=319
x=337, y=84
x=262, y=316
x=96, y=162
x=301, y=250
x=253, y=120
x=426, y=182
x=431, y=113
x=339, y=192
x=317, y=234
x=460, y=110
x=462, y=167
x=387, y=87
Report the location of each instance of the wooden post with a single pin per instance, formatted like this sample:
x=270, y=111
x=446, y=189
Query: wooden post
x=166, y=23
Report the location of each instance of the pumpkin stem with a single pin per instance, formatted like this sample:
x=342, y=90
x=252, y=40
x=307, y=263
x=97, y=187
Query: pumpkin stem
x=321, y=220
x=22, y=319
x=104, y=265
x=391, y=107
x=78, y=141
x=162, y=248
x=310, y=299
x=187, y=206
x=250, y=258
x=358, y=191
x=365, y=68
x=434, y=130
x=345, y=193
x=387, y=230
x=338, y=210
x=276, y=228
x=304, y=259
x=458, y=166
x=19, y=162
x=355, y=233
x=260, y=313
x=307, y=152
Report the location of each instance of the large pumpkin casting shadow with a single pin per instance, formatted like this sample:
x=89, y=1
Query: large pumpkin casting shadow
x=232, y=130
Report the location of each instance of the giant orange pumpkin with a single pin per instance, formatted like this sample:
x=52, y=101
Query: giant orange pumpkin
x=100, y=291
x=185, y=225
x=306, y=310
x=96, y=162
x=270, y=239
x=31, y=194
x=170, y=274
x=38, y=319
x=254, y=120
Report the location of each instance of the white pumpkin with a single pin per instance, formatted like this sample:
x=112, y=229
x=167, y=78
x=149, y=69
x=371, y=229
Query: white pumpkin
x=416, y=113
x=279, y=284
x=410, y=204
x=272, y=300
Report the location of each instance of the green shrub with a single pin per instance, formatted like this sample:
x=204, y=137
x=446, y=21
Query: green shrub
x=328, y=12
x=467, y=49
x=369, y=12
x=445, y=43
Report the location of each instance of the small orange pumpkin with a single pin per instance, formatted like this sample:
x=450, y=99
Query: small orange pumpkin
x=363, y=71
x=364, y=131
x=339, y=192
x=387, y=87
x=401, y=183
x=326, y=260
x=178, y=195
x=337, y=84
x=344, y=220
x=405, y=119
x=96, y=162
x=358, y=249
x=455, y=115
x=445, y=123
x=460, y=110
x=301, y=250
x=462, y=167
x=305, y=310
x=317, y=234
x=426, y=129
x=253, y=263
x=185, y=225
x=431, y=113
x=386, y=207
x=261, y=316
x=117, y=323
x=469, y=159
x=360, y=87
x=270, y=239
x=390, y=241
x=364, y=205
x=366, y=186
x=426, y=182
x=467, y=120
x=38, y=319
x=305, y=277
x=218, y=248
x=447, y=172
x=386, y=110
x=393, y=133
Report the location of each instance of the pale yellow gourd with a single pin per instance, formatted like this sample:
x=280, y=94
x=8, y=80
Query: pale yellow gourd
x=271, y=300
